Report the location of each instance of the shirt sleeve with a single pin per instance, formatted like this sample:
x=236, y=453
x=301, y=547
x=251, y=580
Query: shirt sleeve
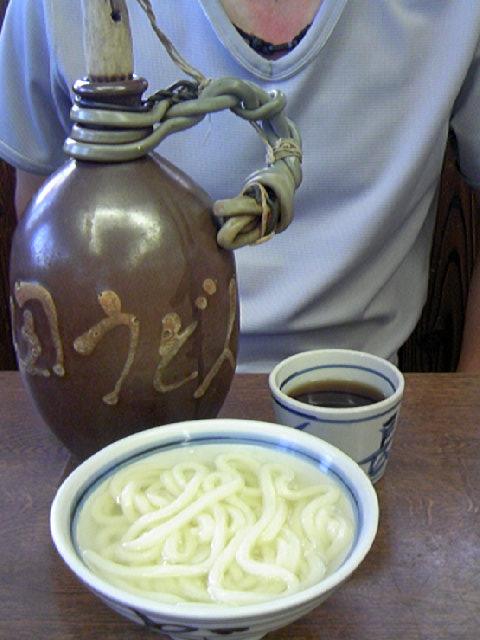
x=465, y=123
x=34, y=100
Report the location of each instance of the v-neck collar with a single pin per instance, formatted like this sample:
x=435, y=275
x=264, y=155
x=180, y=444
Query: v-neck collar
x=286, y=66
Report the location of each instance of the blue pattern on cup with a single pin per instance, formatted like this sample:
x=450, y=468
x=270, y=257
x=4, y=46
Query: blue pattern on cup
x=378, y=459
x=302, y=426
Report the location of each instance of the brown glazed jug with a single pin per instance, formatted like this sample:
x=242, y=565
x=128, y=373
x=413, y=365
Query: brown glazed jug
x=124, y=308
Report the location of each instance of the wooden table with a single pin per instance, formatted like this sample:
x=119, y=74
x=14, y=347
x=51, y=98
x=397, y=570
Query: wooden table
x=421, y=580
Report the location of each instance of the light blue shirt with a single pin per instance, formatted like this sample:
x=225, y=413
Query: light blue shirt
x=373, y=88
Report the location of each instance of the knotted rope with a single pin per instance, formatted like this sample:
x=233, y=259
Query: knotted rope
x=265, y=204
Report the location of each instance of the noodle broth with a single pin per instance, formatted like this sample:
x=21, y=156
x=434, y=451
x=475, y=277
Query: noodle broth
x=228, y=524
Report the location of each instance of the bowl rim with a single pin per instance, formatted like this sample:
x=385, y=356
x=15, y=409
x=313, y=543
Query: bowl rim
x=316, y=413
x=61, y=514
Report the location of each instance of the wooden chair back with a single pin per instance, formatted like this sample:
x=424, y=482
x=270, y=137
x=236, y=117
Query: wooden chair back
x=435, y=343
x=7, y=225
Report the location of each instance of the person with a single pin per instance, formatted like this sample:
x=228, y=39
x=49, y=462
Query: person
x=374, y=88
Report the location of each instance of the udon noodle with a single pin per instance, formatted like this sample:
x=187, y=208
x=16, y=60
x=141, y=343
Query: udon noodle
x=221, y=525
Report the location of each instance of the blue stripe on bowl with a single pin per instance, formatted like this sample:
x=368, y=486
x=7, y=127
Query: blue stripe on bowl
x=339, y=366
x=231, y=438
x=315, y=418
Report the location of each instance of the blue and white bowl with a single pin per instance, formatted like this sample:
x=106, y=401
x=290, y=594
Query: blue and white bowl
x=195, y=621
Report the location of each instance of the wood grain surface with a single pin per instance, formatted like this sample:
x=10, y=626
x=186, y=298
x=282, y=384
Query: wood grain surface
x=8, y=221
x=421, y=580
x=3, y=8
x=435, y=343
x=107, y=40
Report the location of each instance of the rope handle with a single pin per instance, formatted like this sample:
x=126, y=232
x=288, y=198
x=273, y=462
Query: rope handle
x=265, y=204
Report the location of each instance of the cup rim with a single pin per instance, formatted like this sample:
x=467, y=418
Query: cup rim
x=355, y=412
x=64, y=499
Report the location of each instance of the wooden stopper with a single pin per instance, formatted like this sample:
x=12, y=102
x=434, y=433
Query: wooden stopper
x=107, y=40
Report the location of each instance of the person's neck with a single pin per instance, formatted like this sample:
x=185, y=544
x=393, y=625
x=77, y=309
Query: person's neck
x=276, y=21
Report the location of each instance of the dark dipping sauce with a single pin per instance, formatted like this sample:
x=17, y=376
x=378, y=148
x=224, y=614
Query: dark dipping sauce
x=337, y=394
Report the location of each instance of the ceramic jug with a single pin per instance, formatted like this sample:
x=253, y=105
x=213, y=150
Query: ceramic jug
x=124, y=307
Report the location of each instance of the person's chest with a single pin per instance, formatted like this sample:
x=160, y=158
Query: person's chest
x=371, y=86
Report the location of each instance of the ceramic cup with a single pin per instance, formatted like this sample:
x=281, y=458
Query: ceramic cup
x=365, y=433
